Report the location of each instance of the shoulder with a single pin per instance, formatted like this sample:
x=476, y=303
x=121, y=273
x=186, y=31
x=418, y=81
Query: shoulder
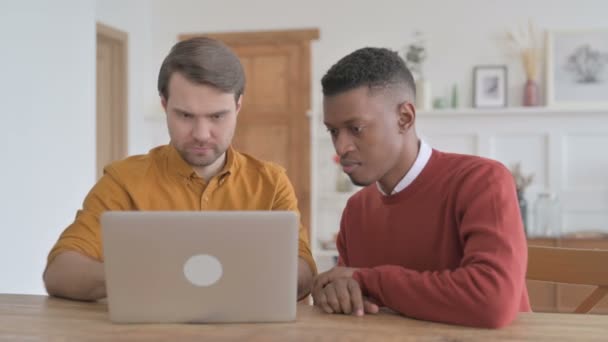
x=473, y=177
x=464, y=167
x=137, y=165
x=254, y=168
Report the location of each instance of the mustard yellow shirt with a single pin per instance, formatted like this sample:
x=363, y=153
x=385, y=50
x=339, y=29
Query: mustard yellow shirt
x=162, y=180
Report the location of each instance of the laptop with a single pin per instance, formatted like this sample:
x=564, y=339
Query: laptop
x=200, y=267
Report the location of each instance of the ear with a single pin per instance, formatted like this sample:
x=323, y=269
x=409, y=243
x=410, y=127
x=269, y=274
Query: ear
x=407, y=116
x=163, y=102
x=239, y=104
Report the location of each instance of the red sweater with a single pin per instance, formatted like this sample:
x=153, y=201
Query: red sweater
x=448, y=248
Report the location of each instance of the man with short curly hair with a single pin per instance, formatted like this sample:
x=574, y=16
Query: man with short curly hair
x=432, y=235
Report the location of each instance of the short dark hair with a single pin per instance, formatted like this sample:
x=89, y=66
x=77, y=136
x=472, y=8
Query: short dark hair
x=204, y=61
x=372, y=67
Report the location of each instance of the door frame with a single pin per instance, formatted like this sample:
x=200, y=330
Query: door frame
x=119, y=97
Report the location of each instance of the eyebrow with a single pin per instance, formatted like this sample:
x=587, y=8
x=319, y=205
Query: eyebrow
x=219, y=112
x=345, y=123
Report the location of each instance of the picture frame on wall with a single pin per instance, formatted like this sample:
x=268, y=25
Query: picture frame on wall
x=490, y=86
x=577, y=68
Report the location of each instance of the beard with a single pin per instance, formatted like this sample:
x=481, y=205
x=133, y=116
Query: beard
x=201, y=158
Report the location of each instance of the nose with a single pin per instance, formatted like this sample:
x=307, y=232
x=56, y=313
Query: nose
x=343, y=143
x=201, y=130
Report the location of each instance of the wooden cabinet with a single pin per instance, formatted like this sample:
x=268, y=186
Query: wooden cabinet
x=550, y=297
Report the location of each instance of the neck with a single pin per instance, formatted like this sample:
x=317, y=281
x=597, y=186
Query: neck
x=207, y=172
x=404, y=163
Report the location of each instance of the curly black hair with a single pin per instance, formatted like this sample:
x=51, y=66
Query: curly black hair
x=372, y=67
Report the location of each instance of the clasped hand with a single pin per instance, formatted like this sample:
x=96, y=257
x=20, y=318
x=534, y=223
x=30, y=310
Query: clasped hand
x=336, y=291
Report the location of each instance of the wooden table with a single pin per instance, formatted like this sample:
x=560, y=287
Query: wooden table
x=39, y=318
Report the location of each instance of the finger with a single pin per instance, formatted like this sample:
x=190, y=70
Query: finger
x=343, y=295
x=320, y=281
x=316, y=297
x=332, y=298
x=327, y=277
x=355, y=297
x=370, y=307
x=321, y=301
x=315, y=280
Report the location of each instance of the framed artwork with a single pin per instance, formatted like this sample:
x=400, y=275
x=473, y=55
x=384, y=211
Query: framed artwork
x=577, y=68
x=490, y=86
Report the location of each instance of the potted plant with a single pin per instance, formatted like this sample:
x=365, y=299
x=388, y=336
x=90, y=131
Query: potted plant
x=522, y=181
x=414, y=55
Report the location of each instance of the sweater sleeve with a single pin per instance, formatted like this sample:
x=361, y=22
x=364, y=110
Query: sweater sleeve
x=341, y=240
x=486, y=289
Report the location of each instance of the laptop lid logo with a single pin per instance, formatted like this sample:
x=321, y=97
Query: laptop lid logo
x=203, y=270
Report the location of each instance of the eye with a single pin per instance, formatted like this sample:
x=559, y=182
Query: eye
x=184, y=115
x=217, y=116
x=333, y=132
x=356, y=129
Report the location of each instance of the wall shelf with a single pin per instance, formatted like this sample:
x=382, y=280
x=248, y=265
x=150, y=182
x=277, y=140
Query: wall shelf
x=505, y=111
x=510, y=111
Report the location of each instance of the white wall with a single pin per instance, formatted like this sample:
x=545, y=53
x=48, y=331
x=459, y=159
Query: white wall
x=47, y=138
x=460, y=34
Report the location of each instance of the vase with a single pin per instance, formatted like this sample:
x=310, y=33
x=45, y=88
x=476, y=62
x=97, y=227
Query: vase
x=454, y=96
x=531, y=94
x=547, y=216
x=523, y=209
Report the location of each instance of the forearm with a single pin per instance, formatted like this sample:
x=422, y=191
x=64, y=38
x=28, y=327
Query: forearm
x=305, y=277
x=75, y=276
x=473, y=296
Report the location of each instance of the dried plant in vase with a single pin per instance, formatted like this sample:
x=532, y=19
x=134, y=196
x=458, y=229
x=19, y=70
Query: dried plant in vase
x=526, y=43
x=522, y=181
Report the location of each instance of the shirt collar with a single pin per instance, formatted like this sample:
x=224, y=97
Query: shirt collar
x=424, y=154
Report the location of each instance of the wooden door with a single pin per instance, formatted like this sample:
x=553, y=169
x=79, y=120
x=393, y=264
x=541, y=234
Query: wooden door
x=273, y=124
x=111, y=96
